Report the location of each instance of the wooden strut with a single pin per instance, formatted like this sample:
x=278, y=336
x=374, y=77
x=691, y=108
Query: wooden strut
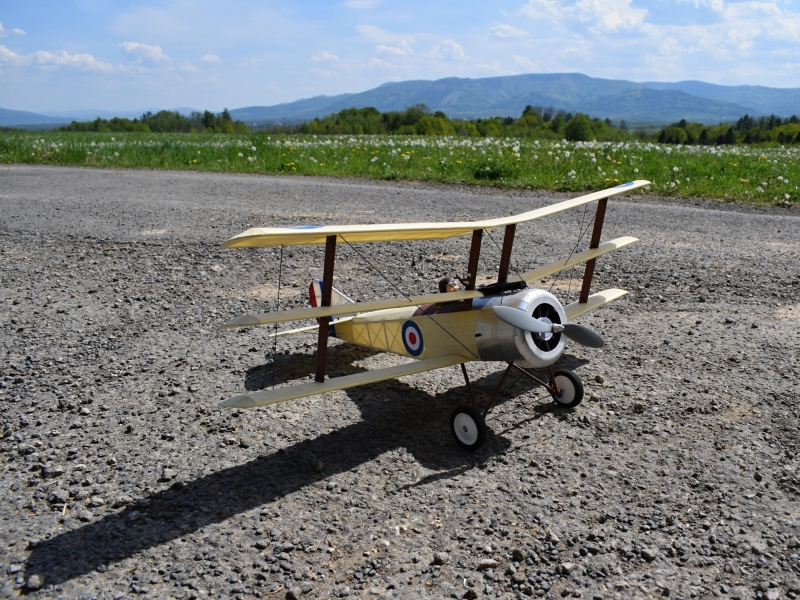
x=493, y=399
x=594, y=243
x=472, y=266
x=505, y=257
x=324, y=325
x=469, y=387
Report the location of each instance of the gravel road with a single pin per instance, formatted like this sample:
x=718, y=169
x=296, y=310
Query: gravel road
x=677, y=477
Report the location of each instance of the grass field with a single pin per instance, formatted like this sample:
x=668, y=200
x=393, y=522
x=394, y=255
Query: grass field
x=761, y=175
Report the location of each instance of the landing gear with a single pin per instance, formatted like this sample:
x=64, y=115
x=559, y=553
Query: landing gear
x=570, y=387
x=468, y=424
x=468, y=427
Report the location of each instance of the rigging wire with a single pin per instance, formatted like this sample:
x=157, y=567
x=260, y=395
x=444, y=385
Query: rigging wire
x=575, y=247
x=501, y=254
x=406, y=296
x=572, y=270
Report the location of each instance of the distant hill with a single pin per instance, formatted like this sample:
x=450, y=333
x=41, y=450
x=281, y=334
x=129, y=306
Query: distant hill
x=783, y=102
x=92, y=114
x=574, y=92
x=15, y=118
x=649, y=102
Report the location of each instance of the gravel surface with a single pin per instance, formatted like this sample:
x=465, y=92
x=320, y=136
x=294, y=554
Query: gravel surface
x=677, y=477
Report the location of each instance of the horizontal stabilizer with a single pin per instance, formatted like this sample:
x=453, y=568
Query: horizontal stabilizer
x=283, y=316
x=576, y=309
x=313, y=388
x=395, y=232
x=304, y=329
x=575, y=259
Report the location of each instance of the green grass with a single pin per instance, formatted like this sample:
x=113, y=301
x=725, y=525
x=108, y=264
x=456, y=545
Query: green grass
x=761, y=175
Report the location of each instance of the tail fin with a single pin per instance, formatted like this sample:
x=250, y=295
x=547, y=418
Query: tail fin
x=315, y=295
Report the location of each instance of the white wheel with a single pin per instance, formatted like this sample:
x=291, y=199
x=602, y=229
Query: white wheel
x=570, y=386
x=567, y=390
x=468, y=427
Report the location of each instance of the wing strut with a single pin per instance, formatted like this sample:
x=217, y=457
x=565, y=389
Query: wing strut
x=472, y=266
x=588, y=272
x=505, y=257
x=324, y=326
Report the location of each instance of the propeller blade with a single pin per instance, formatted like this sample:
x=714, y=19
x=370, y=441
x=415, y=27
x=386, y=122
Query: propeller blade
x=583, y=335
x=520, y=320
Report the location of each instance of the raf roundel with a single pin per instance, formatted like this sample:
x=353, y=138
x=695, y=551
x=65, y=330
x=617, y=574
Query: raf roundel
x=412, y=338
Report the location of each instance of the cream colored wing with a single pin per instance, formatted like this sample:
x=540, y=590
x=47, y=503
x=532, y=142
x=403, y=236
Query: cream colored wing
x=313, y=388
x=283, y=316
x=575, y=259
x=394, y=232
x=597, y=300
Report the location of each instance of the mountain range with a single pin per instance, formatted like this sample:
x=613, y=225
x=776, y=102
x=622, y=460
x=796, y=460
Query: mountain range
x=648, y=102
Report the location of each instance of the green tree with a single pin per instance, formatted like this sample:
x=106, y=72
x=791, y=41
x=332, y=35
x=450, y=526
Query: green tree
x=579, y=129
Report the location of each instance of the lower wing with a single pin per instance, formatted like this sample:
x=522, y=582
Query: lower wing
x=302, y=390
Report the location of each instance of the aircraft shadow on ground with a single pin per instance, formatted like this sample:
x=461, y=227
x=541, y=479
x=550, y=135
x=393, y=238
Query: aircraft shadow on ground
x=394, y=415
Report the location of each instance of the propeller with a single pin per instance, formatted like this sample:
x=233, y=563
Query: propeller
x=577, y=333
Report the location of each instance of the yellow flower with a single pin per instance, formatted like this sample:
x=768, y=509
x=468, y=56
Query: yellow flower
x=735, y=164
x=321, y=164
x=616, y=180
x=458, y=162
x=619, y=162
x=607, y=179
x=195, y=160
x=743, y=180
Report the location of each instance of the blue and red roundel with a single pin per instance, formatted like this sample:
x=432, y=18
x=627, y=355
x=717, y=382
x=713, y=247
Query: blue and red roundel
x=412, y=338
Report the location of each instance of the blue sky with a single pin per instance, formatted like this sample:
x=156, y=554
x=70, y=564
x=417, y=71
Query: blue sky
x=103, y=54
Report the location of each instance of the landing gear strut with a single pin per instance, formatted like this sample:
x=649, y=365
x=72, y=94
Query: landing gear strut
x=468, y=424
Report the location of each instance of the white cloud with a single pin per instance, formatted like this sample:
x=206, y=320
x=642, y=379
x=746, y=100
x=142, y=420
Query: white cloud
x=610, y=15
x=15, y=31
x=507, y=31
x=523, y=62
x=212, y=58
x=321, y=72
x=377, y=63
x=452, y=50
x=542, y=9
x=324, y=56
x=48, y=59
x=402, y=50
x=371, y=33
x=361, y=4
x=143, y=52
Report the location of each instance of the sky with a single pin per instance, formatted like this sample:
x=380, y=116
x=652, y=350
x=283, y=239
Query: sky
x=58, y=55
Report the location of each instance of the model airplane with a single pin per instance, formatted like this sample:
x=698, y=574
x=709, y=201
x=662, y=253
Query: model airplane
x=504, y=321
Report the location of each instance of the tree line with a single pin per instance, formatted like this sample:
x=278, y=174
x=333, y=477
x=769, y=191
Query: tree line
x=165, y=121
x=545, y=123
x=747, y=130
x=535, y=123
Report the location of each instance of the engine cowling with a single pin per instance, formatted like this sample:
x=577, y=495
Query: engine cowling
x=499, y=341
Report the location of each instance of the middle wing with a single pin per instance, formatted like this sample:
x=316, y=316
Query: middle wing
x=300, y=314
x=312, y=388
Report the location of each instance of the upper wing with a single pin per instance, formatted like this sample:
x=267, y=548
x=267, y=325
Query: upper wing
x=395, y=232
x=290, y=392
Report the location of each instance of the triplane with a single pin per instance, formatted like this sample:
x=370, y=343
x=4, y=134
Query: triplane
x=503, y=321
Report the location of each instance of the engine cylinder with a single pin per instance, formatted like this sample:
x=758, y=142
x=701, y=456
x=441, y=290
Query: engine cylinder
x=497, y=340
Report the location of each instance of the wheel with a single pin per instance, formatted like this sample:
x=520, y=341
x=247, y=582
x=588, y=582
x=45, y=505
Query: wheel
x=571, y=388
x=468, y=427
